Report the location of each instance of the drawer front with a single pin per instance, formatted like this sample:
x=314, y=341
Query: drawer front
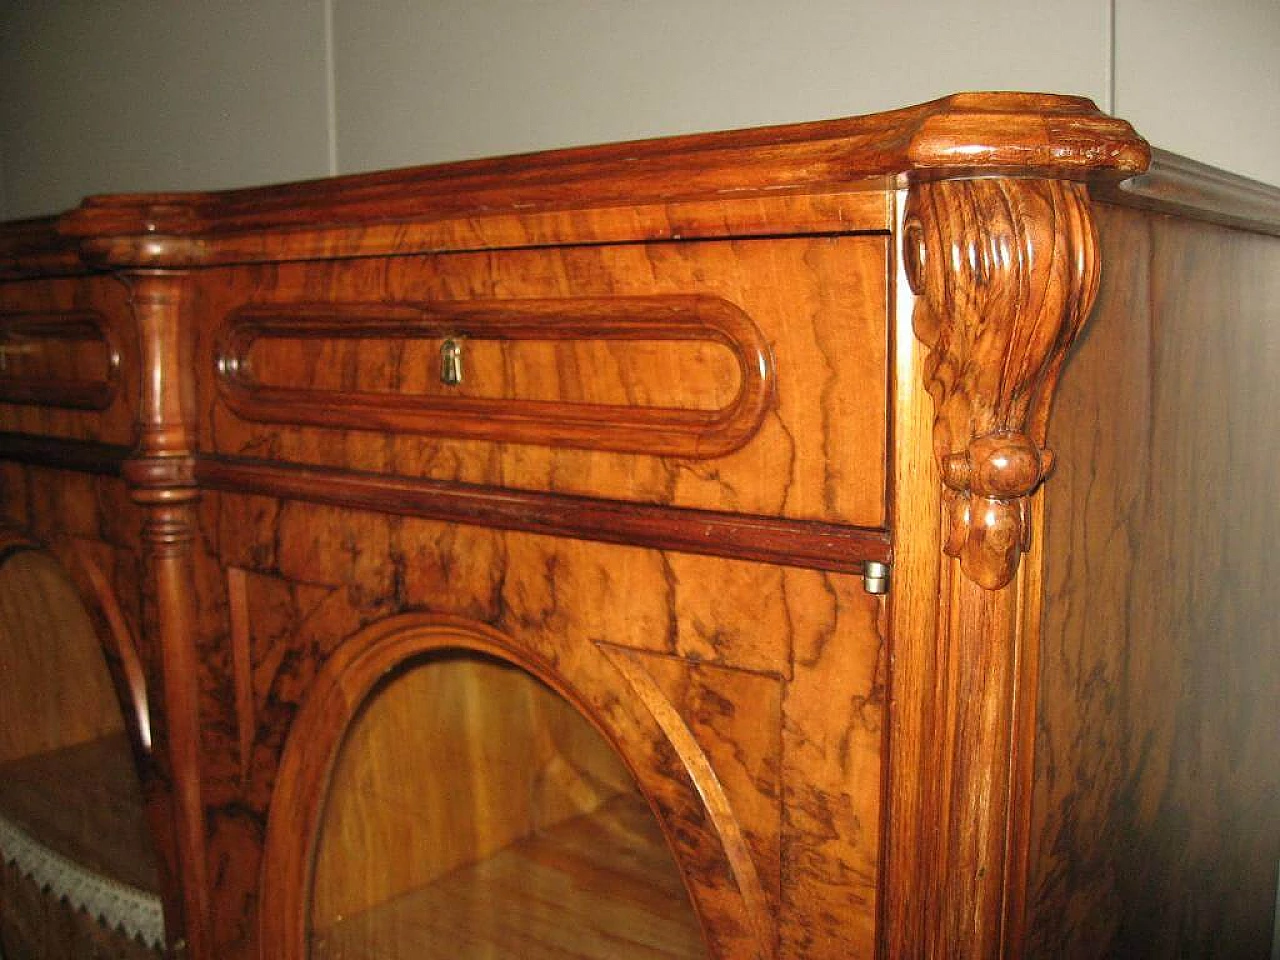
x=67, y=359
x=745, y=376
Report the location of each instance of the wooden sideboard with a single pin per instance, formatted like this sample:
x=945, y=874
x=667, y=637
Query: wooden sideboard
x=837, y=540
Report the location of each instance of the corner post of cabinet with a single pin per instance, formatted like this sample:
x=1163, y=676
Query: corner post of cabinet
x=161, y=479
x=996, y=278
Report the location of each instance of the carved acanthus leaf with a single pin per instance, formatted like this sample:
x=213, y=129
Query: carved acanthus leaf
x=1005, y=272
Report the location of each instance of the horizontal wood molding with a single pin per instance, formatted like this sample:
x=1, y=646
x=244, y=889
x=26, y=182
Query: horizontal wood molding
x=668, y=430
x=469, y=205
x=801, y=543
x=1178, y=185
x=953, y=135
x=86, y=456
x=35, y=248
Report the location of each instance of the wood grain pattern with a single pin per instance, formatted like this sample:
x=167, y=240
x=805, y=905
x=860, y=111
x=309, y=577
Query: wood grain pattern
x=759, y=935
x=1054, y=751
x=35, y=248
x=598, y=887
x=638, y=599
x=70, y=366
x=821, y=546
x=242, y=664
x=1005, y=272
x=655, y=411
x=58, y=690
x=117, y=637
x=819, y=302
x=88, y=522
x=833, y=713
x=904, y=898
x=1158, y=753
x=958, y=758
x=346, y=679
x=58, y=360
x=1182, y=187
x=454, y=758
x=856, y=207
x=1066, y=137
x=161, y=482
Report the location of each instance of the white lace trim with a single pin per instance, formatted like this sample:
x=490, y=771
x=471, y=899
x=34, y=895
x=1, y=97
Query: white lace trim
x=118, y=905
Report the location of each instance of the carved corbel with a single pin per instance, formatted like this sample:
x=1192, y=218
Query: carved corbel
x=1005, y=272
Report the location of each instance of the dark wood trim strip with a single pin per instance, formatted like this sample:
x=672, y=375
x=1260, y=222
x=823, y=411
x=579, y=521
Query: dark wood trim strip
x=799, y=543
x=87, y=456
x=1180, y=186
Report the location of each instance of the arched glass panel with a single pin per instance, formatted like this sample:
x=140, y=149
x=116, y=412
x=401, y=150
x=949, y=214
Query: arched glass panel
x=474, y=813
x=78, y=874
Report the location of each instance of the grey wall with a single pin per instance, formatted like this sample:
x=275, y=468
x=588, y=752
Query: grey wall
x=116, y=95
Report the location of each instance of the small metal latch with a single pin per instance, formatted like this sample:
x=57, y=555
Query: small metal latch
x=451, y=362
x=875, y=577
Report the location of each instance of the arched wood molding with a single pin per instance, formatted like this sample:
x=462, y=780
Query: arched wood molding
x=121, y=647
x=311, y=751
x=1005, y=271
x=716, y=801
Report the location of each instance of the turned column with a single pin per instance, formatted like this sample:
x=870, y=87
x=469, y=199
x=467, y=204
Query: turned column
x=998, y=277
x=161, y=478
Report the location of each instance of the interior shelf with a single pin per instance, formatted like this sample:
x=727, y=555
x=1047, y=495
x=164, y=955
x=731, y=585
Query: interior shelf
x=598, y=886
x=83, y=803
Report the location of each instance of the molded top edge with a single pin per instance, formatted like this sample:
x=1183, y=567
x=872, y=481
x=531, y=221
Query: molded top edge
x=965, y=133
x=1176, y=185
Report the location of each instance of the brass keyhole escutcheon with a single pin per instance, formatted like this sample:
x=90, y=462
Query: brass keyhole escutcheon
x=451, y=362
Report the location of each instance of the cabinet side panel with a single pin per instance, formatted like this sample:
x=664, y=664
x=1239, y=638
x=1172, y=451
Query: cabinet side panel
x=1157, y=755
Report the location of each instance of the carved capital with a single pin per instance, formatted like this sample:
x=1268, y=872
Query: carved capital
x=1005, y=272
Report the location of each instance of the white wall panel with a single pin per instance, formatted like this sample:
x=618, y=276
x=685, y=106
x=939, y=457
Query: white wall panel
x=116, y=95
x=1203, y=78
x=422, y=82
x=111, y=95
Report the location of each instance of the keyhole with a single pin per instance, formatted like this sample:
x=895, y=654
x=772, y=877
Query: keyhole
x=451, y=362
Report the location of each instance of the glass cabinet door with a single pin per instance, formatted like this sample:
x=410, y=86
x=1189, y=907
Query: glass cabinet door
x=78, y=871
x=474, y=813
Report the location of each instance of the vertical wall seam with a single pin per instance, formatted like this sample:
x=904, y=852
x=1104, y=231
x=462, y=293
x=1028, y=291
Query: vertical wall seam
x=330, y=89
x=1111, y=58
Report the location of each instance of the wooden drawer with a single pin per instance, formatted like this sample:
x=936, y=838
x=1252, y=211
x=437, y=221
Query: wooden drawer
x=745, y=376
x=68, y=364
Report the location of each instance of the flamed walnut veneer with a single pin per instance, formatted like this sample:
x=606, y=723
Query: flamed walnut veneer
x=847, y=539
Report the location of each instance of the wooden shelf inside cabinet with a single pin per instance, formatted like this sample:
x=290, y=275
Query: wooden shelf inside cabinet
x=474, y=813
x=597, y=887
x=83, y=803
x=78, y=871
